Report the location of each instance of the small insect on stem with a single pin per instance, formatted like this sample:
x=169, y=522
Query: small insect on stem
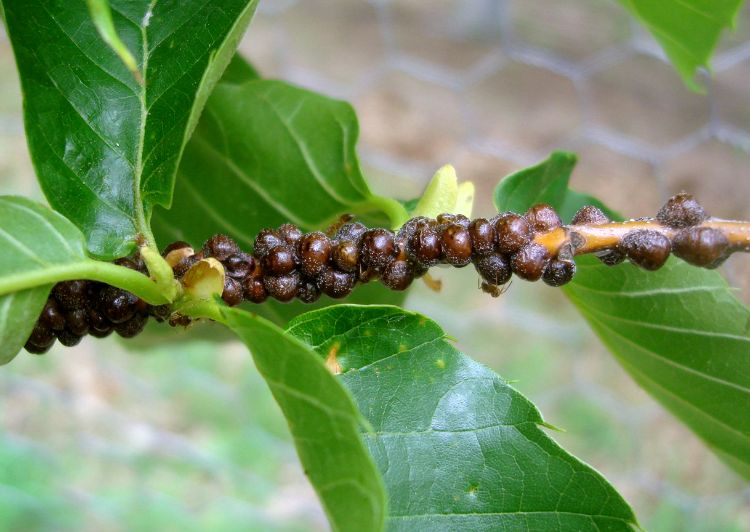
x=286, y=264
x=335, y=226
x=495, y=290
x=436, y=285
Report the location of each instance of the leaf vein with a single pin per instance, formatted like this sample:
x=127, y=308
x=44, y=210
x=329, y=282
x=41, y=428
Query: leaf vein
x=255, y=187
x=304, y=150
x=668, y=361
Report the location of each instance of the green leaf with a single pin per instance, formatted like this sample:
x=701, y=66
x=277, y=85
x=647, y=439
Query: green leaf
x=34, y=240
x=687, y=30
x=683, y=336
x=239, y=71
x=101, y=14
x=40, y=248
x=105, y=146
x=440, y=194
x=680, y=332
x=18, y=314
x=323, y=421
x=275, y=153
x=546, y=182
x=458, y=447
x=370, y=293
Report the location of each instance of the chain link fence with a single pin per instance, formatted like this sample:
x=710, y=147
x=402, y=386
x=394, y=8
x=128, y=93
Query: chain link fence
x=100, y=438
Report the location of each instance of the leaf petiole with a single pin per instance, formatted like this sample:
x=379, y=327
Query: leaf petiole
x=393, y=209
x=105, y=272
x=160, y=272
x=202, y=308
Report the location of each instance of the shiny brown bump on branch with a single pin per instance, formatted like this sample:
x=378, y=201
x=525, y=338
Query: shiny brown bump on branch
x=286, y=264
x=77, y=308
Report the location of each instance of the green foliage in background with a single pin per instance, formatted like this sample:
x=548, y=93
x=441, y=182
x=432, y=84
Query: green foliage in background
x=413, y=433
x=106, y=146
x=680, y=332
x=687, y=30
x=322, y=419
x=458, y=447
x=251, y=133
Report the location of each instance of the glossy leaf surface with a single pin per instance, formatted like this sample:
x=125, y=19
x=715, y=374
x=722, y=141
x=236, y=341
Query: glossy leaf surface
x=546, y=182
x=41, y=248
x=35, y=240
x=687, y=30
x=458, y=447
x=267, y=153
x=18, y=313
x=101, y=15
x=680, y=331
x=323, y=420
x=105, y=144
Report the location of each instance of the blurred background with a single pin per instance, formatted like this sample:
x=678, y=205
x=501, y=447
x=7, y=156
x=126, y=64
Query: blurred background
x=188, y=438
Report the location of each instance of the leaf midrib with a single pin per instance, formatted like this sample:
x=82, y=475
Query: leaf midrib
x=645, y=376
x=246, y=180
x=311, y=400
x=141, y=224
x=652, y=292
x=302, y=147
x=503, y=514
x=670, y=328
x=670, y=362
x=394, y=434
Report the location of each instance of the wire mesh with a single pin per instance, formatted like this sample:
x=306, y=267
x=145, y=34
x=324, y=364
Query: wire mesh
x=105, y=439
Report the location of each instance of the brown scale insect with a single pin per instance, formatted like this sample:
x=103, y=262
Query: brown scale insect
x=542, y=218
x=220, y=247
x=589, y=214
x=336, y=284
x=701, y=246
x=286, y=263
x=647, y=249
x=346, y=256
x=681, y=211
x=398, y=275
x=239, y=265
x=513, y=232
x=282, y=287
x=456, y=245
x=314, y=250
x=377, y=248
x=266, y=240
x=494, y=269
x=280, y=260
x=233, y=291
x=425, y=247
x=482, y=235
x=529, y=263
x=559, y=272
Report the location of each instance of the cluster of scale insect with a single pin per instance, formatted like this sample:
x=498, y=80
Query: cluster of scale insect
x=287, y=263
x=706, y=247
x=77, y=308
